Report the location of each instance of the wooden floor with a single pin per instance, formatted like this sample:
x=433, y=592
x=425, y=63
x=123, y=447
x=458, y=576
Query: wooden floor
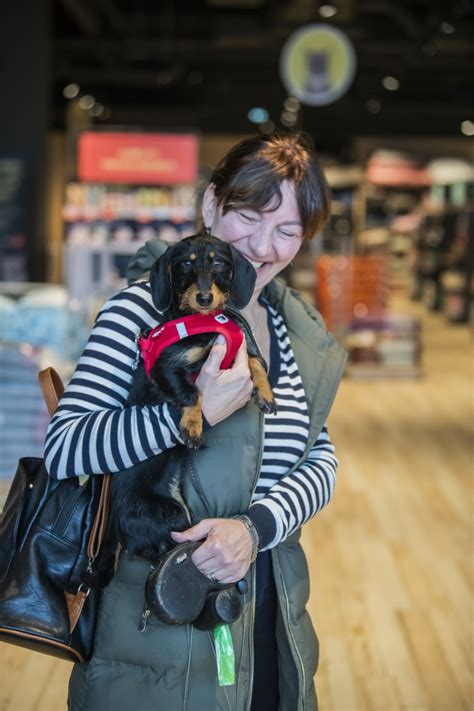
x=391, y=558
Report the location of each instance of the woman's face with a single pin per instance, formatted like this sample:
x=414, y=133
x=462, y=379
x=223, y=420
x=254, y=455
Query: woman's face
x=269, y=239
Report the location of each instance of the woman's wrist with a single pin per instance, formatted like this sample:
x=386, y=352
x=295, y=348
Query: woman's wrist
x=252, y=531
x=264, y=522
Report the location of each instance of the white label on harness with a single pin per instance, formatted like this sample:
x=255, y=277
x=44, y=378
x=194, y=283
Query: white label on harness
x=221, y=318
x=157, y=333
x=182, y=331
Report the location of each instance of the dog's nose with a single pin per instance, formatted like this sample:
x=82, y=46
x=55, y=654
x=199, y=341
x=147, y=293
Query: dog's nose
x=204, y=298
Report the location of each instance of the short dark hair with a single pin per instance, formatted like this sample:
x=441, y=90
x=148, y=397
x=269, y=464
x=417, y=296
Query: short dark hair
x=251, y=173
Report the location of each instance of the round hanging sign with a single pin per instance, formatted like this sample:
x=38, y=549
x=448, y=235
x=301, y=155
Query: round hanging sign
x=317, y=64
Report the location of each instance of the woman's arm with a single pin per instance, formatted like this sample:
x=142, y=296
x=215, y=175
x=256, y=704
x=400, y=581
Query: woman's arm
x=226, y=552
x=297, y=496
x=92, y=432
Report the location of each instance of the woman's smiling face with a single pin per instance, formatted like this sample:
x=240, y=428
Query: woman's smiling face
x=268, y=238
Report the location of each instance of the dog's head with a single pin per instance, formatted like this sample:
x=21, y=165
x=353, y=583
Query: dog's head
x=201, y=274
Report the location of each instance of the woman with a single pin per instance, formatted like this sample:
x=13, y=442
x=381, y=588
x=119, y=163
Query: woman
x=266, y=196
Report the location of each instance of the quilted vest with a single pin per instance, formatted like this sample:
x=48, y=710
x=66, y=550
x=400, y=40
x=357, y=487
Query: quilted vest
x=170, y=668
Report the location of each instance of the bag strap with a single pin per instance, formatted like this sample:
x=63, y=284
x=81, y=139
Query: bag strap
x=52, y=388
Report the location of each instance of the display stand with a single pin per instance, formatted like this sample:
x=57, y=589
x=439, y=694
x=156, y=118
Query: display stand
x=132, y=187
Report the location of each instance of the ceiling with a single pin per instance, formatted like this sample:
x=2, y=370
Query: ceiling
x=205, y=63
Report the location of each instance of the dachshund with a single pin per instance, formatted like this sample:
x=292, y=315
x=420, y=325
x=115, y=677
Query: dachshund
x=199, y=274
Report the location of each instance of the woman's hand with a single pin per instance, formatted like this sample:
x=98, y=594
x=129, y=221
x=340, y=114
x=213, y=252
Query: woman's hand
x=224, y=391
x=226, y=552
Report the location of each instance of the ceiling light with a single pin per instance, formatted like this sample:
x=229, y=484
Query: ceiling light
x=194, y=78
x=291, y=104
x=447, y=28
x=164, y=77
x=257, y=115
x=267, y=126
x=86, y=102
x=71, y=91
x=373, y=105
x=96, y=110
x=467, y=128
x=288, y=118
x=429, y=50
x=327, y=10
x=391, y=83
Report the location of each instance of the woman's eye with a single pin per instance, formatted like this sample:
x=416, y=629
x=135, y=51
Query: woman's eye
x=248, y=218
x=288, y=235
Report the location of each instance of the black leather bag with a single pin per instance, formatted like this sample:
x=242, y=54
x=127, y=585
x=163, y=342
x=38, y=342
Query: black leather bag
x=51, y=536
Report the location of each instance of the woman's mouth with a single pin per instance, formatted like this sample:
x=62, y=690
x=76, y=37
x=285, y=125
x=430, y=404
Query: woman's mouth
x=256, y=265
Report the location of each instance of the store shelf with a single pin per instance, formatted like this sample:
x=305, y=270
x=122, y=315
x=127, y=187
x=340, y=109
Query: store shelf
x=172, y=213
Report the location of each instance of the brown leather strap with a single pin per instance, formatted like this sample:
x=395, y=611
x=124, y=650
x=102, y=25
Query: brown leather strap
x=52, y=388
x=99, y=526
x=75, y=603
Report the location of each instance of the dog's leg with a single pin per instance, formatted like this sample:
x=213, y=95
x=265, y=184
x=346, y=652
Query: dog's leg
x=148, y=503
x=190, y=425
x=262, y=392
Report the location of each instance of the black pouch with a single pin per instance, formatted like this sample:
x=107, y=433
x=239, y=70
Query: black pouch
x=178, y=593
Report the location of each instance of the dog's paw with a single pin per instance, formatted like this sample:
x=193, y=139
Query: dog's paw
x=192, y=438
x=190, y=426
x=265, y=403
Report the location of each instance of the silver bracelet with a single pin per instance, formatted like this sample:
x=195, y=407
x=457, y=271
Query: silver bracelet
x=253, y=534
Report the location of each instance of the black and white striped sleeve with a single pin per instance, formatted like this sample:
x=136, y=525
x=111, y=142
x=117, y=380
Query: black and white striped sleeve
x=297, y=496
x=92, y=432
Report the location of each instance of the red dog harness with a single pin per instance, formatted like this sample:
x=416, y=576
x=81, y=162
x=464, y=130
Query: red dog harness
x=162, y=336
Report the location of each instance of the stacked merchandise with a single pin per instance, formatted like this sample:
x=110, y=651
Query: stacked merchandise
x=106, y=224
x=388, y=347
x=444, y=270
x=23, y=415
x=395, y=186
x=352, y=295
x=350, y=287
x=38, y=328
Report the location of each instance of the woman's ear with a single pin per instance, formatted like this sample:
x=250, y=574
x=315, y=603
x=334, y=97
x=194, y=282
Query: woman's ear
x=209, y=205
x=160, y=282
x=243, y=281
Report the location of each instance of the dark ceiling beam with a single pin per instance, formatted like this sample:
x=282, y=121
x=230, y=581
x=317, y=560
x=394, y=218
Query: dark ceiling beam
x=85, y=17
x=159, y=45
x=117, y=20
x=399, y=15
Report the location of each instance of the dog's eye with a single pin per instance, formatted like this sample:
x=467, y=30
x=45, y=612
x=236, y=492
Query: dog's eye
x=186, y=264
x=217, y=262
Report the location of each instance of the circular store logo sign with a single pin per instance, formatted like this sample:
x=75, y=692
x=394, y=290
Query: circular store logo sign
x=317, y=64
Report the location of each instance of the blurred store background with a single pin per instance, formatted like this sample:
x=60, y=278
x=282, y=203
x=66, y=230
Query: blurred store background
x=114, y=113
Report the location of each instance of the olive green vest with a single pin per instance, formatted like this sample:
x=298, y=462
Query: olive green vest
x=169, y=668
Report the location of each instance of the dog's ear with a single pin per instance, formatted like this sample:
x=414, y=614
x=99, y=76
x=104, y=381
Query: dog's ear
x=243, y=281
x=160, y=282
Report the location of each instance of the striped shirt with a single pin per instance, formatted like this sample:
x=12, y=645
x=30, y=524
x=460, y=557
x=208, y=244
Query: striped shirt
x=92, y=431
x=291, y=499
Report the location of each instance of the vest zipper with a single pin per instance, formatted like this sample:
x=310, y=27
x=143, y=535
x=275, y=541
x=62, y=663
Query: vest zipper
x=197, y=484
x=296, y=654
x=254, y=572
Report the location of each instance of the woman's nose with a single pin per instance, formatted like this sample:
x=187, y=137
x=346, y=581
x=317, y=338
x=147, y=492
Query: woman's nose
x=261, y=242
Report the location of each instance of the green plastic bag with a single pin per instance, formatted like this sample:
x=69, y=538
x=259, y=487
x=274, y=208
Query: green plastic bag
x=225, y=655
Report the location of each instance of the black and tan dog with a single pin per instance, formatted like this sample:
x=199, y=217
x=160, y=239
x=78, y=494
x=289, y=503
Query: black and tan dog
x=200, y=274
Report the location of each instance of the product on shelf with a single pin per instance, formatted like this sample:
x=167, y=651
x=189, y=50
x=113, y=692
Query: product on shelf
x=350, y=287
x=42, y=316
x=386, y=167
x=385, y=347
